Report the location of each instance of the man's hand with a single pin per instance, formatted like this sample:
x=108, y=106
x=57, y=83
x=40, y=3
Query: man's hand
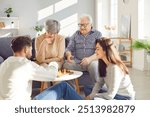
x=53, y=64
x=70, y=58
x=85, y=61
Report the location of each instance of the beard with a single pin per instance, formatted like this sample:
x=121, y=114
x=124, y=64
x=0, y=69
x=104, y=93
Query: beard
x=28, y=56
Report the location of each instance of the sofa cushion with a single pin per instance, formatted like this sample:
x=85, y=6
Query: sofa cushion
x=67, y=41
x=5, y=47
x=1, y=59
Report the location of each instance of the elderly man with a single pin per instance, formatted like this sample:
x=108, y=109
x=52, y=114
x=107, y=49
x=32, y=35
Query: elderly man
x=80, y=52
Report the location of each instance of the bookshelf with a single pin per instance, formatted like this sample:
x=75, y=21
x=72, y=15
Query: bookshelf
x=123, y=46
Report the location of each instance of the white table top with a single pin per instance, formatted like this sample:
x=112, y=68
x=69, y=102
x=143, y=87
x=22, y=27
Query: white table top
x=76, y=74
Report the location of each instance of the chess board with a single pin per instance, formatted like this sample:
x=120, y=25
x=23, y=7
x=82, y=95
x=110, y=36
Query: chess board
x=63, y=72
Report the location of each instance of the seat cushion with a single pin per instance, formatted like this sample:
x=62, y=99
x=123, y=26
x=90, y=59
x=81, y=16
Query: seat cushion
x=5, y=47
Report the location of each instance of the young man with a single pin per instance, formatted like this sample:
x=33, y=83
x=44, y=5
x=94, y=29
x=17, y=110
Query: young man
x=17, y=73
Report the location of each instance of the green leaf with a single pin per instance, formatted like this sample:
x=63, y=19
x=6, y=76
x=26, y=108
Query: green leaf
x=141, y=44
x=8, y=10
x=38, y=28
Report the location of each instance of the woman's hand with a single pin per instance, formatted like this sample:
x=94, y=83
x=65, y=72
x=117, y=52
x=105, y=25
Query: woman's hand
x=87, y=98
x=85, y=61
x=49, y=38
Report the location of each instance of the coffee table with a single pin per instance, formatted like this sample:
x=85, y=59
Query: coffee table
x=66, y=77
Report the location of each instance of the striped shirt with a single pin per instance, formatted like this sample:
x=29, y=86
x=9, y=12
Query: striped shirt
x=83, y=46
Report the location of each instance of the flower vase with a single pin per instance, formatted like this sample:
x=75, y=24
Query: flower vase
x=12, y=24
x=38, y=34
x=8, y=15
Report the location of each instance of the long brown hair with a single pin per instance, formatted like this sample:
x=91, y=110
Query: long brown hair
x=112, y=56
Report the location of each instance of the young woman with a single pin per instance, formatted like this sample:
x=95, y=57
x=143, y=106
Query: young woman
x=113, y=73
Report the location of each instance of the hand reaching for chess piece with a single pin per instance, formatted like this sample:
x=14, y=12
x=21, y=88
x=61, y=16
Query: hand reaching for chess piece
x=64, y=72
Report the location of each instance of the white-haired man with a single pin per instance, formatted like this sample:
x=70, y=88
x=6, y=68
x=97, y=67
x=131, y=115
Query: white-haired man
x=80, y=51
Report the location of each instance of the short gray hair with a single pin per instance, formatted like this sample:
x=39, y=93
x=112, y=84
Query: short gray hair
x=88, y=17
x=52, y=26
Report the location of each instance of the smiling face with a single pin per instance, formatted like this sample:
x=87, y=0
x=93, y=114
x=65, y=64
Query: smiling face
x=99, y=51
x=85, y=26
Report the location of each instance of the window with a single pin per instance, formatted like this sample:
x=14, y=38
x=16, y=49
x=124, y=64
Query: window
x=114, y=17
x=107, y=17
x=141, y=19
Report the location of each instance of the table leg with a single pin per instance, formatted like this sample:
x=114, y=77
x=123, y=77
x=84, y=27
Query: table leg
x=77, y=86
x=44, y=85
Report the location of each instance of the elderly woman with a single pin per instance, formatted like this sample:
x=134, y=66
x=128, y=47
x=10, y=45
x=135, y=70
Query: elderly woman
x=50, y=46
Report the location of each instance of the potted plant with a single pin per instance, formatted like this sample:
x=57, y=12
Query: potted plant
x=38, y=29
x=141, y=44
x=8, y=11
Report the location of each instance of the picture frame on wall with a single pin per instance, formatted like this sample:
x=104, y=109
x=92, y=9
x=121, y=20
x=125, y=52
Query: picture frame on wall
x=125, y=29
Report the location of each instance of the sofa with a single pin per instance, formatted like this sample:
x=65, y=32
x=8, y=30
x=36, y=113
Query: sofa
x=5, y=49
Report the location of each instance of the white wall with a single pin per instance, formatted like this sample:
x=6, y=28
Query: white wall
x=147, y=19
x=131, y=8
x=27, y=11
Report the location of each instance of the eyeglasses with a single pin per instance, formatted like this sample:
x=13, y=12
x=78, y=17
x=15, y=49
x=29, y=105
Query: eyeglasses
x=83, y=25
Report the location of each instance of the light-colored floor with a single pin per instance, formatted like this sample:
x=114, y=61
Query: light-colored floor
x=141, y=83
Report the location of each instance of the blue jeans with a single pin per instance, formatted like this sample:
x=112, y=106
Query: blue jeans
x=57, y=92
x=88, y=90
x=122, y=97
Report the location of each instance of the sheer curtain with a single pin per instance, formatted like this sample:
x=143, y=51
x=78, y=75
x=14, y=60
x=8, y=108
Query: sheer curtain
x=107, y=17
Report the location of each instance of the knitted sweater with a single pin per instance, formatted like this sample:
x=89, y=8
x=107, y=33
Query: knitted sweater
x=16, y=75
x=116, y=82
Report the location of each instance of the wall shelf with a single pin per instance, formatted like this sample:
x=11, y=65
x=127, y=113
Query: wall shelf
x=11, y=26
x=123, y=46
